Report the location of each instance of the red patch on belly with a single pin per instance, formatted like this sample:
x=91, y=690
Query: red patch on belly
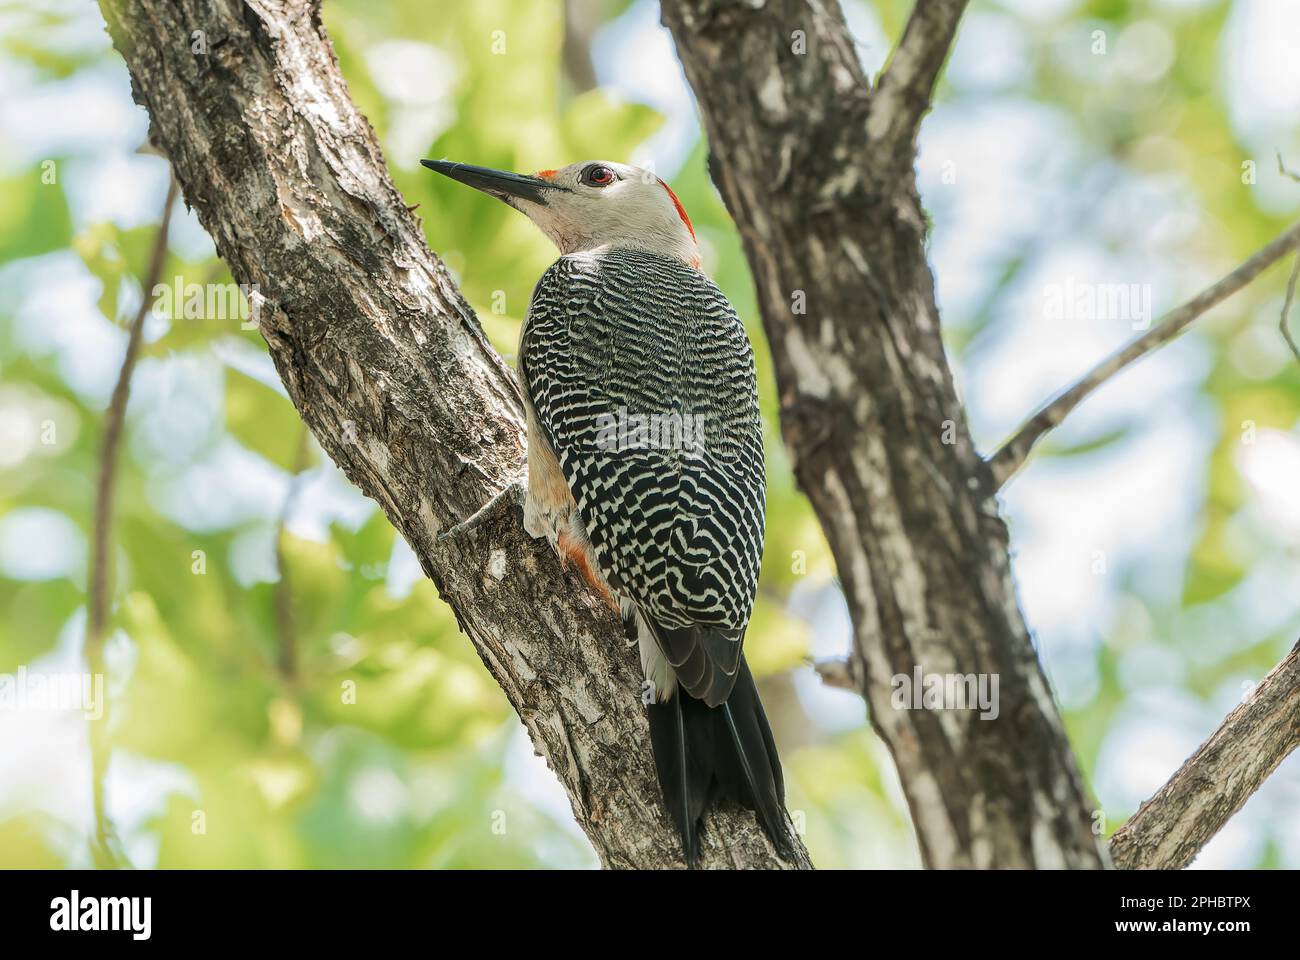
x=573, y=551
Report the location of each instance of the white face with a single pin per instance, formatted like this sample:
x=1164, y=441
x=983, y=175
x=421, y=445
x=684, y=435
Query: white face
x=599, y=202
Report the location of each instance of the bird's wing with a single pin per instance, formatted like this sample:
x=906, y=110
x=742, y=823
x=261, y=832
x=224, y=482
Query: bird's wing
x=642, y=380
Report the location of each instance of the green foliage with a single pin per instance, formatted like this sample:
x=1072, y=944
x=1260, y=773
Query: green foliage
x=390, y=745
x=34, y=217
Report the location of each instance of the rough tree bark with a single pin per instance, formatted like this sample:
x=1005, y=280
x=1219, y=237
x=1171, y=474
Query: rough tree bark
x=1172, y=827
x=389, y=368
x=817, y=171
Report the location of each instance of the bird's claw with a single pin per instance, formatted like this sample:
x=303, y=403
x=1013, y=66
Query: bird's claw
x=514, y=493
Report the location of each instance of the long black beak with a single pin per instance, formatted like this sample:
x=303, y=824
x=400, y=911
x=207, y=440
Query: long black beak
x=498, y=183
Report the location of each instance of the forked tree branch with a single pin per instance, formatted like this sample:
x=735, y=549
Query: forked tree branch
x=1011, y=456
x=831, y=221
x=1171, y=828
x=863, y=384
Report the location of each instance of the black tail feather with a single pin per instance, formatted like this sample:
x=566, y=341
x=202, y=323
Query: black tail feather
x=685, y=792
x=704, y=753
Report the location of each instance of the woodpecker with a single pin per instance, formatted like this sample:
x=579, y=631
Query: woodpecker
x=645, y=465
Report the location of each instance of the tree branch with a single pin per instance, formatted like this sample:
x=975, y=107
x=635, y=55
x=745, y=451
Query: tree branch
x=835, y=236
x=1284, y=322
x=906, y=86
x=1172, y=827
x=389, y=368
x=837, y=672
x=1282, y=169
x=580, y=21
x=107, y=852
x=1011, y=456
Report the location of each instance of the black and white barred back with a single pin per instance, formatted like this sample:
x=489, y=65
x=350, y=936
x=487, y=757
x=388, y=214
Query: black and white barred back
x=678, y=528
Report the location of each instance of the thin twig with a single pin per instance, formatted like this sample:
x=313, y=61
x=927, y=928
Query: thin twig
x=1171, y=828
x=1281, y=168
x=1295, y=272
x=837, y=672
x=1286, y=309
x=106, y=848
x=286, y=625
x=1010, y=457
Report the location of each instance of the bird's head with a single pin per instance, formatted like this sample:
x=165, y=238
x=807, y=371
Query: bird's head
x=589, y=205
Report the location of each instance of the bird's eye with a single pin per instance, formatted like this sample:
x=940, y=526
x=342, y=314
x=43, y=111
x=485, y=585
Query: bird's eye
x=598, y=176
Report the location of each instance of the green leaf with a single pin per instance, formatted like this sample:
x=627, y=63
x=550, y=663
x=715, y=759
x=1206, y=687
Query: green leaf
x=34, y=216
x=262, y=419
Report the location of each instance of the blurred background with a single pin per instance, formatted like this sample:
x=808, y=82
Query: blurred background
x=1076, y=142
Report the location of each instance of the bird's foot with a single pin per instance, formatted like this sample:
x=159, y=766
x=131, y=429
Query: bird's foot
x=512, y=495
